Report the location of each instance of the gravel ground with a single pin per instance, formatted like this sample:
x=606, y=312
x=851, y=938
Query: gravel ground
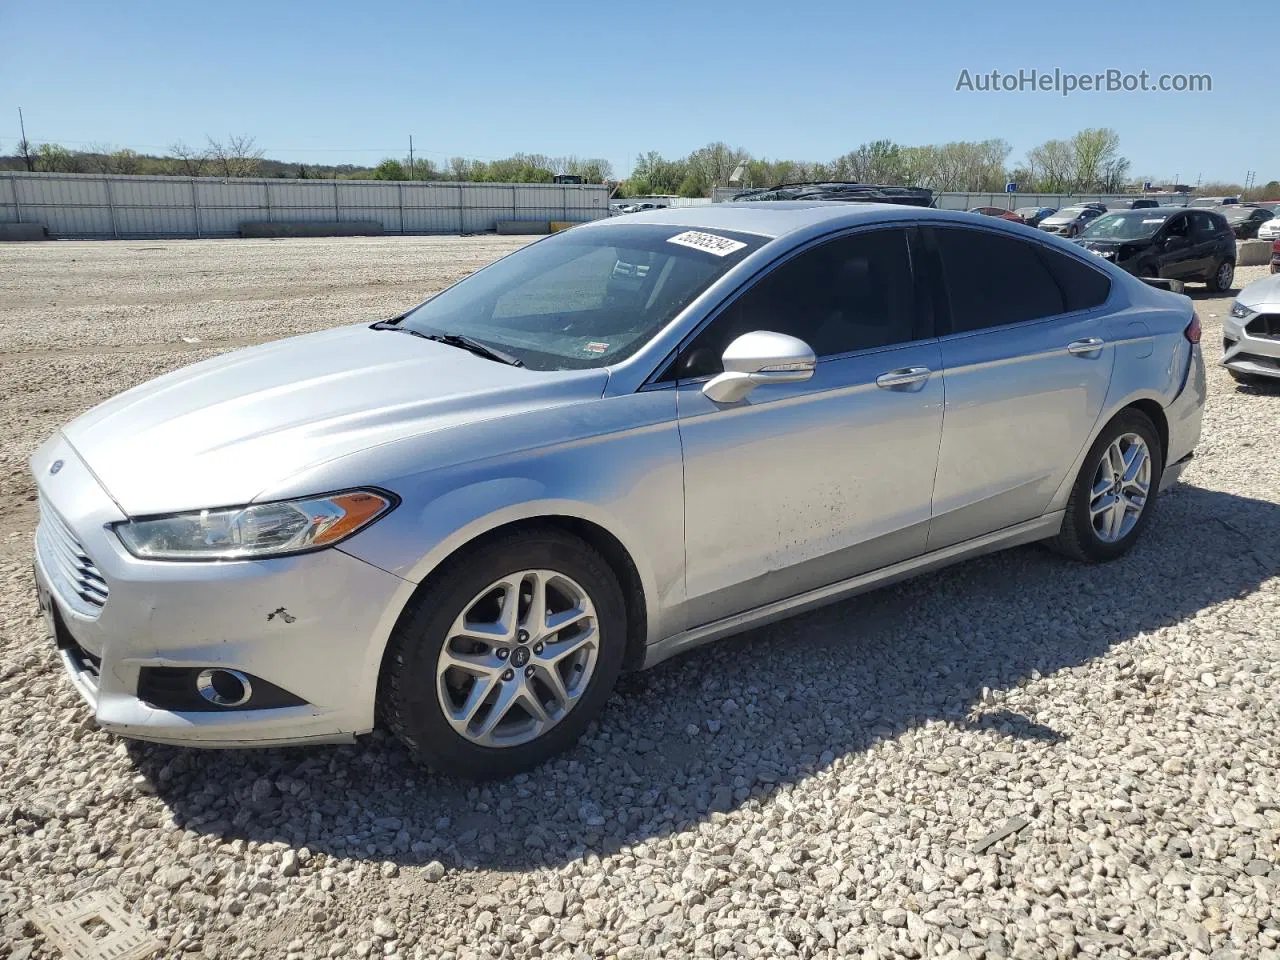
x=818, y=788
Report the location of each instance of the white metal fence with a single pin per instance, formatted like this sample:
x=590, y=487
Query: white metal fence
x=106, y=206
x=1011, y=201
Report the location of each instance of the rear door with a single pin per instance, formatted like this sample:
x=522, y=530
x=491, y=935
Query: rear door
x=1206, y=240
x=1027, y=363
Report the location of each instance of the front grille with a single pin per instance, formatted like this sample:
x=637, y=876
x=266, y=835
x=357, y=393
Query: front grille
x=1264, y=325
x=77, y=580
x=1269, y=362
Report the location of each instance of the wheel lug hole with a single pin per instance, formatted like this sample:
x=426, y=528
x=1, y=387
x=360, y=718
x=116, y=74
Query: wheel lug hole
x=502, y=654
x=537, y=648
x=528, y=671
x=508, y=674
x=523, y=636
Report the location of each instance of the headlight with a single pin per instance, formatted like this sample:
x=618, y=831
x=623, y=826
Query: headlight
x=254, y=531
x=1239, y=310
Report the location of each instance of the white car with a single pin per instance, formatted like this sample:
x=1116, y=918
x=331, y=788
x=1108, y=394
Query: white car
x=1270, y=230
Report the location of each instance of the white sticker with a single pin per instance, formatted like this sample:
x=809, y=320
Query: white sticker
x=596, y=347
x=1156, y=220
x=707, y=242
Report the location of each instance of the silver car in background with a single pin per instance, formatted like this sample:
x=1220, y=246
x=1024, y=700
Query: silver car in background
x=608, y=447
x=1251, y=333
x=1069, y=221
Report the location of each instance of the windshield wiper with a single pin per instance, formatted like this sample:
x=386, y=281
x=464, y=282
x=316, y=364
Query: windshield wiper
x=454, y=340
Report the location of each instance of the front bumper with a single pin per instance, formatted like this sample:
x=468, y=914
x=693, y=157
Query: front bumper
x=314, y=625
x=1245, y=352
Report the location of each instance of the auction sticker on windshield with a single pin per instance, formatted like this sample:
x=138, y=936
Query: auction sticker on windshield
x=709, y=242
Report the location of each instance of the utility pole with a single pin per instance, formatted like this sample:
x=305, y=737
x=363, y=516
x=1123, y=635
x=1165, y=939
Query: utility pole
x=26, y=147
x=411, y=156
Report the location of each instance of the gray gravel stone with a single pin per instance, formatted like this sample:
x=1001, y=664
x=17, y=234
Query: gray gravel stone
x=812, y=789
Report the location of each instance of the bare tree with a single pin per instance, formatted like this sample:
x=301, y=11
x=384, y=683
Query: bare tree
x=24, y=150
x=236, y=156
x=188, y=161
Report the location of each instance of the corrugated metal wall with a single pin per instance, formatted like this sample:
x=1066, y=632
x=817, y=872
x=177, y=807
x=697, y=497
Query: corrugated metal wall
x=104, y=206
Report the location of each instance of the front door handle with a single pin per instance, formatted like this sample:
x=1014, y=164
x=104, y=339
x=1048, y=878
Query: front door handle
x=1085, y=347
x=903, y=377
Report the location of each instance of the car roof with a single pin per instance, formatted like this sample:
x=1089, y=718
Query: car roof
x=776, y=218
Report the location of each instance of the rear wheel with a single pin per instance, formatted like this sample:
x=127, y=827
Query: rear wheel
x=1114, y=492
x=503, y=661
x=1221, y=279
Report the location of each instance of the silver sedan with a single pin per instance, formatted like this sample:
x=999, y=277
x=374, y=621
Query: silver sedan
x=610, y=446
x=1251, y=334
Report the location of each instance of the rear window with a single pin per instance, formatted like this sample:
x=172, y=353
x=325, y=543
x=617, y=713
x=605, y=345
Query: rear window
x=993, y=280
x=1083, y=287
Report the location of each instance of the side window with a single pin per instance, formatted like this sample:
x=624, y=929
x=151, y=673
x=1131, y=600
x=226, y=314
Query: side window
x=993, y=280
x=1178, y=226
x=1083, y=286
x=1201, y=224
x=853, y=293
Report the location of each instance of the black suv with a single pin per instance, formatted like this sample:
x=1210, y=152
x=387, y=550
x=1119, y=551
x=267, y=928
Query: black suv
x=1170, y=242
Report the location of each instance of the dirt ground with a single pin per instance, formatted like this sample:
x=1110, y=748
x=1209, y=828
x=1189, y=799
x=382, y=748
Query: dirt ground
x=814, y=788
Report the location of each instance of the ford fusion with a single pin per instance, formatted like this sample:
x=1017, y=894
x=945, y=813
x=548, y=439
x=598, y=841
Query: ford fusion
x=622, y=441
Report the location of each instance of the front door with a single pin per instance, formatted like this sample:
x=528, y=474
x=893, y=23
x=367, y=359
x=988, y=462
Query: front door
x=1178, y=258
x=805, y=484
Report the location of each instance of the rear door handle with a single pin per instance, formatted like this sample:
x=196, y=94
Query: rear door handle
x=903, y=377
x=1085, y=347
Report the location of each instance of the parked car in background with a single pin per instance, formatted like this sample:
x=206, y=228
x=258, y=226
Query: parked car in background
x=1069, y=221
x=1270, y=230
x=1135, y=203
x=1094, y=204
x=844, y=190
x=1000, y=212
x=1213, y=201
x=612, y=445
x=1271, y=205
x=1032, y=216
x=1251, y=332
x=1169, y=242
x=1246, y=221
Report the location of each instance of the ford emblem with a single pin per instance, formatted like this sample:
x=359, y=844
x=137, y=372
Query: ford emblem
x=55, y=466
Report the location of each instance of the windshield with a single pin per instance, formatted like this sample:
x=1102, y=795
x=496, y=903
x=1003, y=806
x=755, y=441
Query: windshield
x=1130, y=225
x=587, y=297
x=1068, y=213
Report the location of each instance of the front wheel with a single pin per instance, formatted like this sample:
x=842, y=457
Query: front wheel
x=1221, y=279
x=1115, y=491
x=505, y=658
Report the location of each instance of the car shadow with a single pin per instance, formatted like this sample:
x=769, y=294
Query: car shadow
x=706, y=732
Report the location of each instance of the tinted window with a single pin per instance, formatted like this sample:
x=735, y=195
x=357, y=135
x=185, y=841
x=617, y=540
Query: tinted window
x=994, y=280
x=850, y=294
x=1083, y=286
x=1177, y=227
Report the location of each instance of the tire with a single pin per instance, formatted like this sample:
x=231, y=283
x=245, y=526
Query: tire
x=418, y=673
x=1250, y=379
x=1220, y=280
x=1079, y=538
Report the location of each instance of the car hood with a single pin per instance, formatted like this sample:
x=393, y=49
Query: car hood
x=218, y=433
x=1262, y=295
x=1057, y=220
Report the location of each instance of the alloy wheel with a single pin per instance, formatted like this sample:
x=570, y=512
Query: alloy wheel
x=1121, y=486
x=518, y=658
x=1226, y=272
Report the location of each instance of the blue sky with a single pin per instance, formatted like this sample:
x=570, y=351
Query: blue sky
x=348, y=82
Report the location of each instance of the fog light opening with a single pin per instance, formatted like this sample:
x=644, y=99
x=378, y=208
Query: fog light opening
x=224, y=688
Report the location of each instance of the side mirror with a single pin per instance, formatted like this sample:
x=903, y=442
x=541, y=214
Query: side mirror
x=760, y=357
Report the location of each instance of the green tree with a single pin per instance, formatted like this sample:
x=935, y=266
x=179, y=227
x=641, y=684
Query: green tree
x=388, y=170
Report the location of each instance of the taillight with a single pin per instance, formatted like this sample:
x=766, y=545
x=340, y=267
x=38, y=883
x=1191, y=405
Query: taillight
x=1192, y=332
x=1275, y=248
